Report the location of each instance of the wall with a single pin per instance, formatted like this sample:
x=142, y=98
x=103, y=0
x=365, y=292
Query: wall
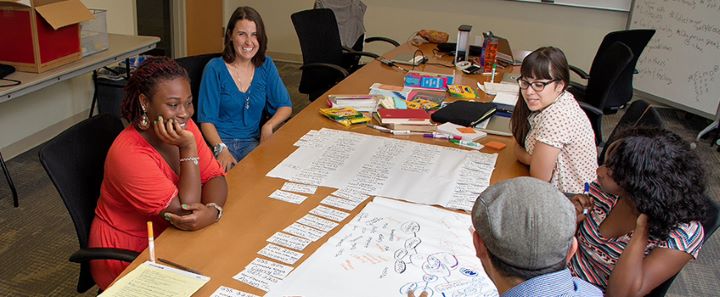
x=578, y=31
x=34, y=118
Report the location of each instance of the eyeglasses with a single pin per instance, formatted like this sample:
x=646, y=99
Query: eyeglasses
x=537, y=86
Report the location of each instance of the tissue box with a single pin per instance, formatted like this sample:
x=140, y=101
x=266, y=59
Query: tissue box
x=93, y=33
x=39, y=35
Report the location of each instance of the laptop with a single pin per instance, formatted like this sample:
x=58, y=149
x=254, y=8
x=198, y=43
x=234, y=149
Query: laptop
x=496, y=125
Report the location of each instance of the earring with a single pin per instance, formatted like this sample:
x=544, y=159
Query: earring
x=144, y=122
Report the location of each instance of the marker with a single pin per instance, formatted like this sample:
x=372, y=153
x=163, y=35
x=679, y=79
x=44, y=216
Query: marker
x=151, y=241
x=441, y=136
x=468, y=144
x=586, y=192
x=405, y=132
x=380, y=128
x=492, y=78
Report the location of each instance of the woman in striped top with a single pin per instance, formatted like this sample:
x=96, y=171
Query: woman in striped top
x=644, y=213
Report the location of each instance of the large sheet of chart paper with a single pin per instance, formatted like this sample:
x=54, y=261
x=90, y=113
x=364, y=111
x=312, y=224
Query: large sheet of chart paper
x=382, y=166
x=390, y=248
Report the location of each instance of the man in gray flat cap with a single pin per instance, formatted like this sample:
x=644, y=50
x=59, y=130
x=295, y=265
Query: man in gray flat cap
x=524, y=235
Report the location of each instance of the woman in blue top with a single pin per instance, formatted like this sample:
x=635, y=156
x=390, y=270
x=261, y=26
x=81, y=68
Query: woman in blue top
x=239, y=89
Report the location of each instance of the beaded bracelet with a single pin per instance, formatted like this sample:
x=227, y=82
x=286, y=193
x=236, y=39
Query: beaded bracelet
x=193, y=159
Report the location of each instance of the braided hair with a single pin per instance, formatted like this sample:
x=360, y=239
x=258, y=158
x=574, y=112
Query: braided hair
x=144, y=80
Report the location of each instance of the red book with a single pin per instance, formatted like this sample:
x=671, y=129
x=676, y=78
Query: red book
x=404, y=116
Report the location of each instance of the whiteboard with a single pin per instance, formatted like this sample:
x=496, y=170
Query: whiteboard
x=616, y=5
x=681, y=64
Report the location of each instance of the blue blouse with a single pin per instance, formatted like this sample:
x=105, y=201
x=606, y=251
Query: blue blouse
x=236, y=114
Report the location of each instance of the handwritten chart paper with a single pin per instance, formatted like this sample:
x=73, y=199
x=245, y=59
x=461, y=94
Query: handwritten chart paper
x=151, y=279
x=381, y=166
x=390, y=248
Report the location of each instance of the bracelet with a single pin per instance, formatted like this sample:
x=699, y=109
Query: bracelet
x=219, y=209
x=193, y=159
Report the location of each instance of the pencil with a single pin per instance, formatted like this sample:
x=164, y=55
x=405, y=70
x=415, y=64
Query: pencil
x=178, y=265
x=151, y=241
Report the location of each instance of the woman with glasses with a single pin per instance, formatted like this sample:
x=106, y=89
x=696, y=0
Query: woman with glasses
x=554, y=136
x=239, y=89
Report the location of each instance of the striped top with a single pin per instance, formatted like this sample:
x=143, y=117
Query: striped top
x=596, y=255
x=555, y=284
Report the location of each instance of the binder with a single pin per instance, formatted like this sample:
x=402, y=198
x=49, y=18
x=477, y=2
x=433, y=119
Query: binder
x=464, y=113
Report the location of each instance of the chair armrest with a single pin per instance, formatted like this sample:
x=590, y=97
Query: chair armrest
x=579, y=72
x=86, y=254
x=341, y=71
x=349, y=51
x=595, y=115
x=635, y=71
x=384, y=39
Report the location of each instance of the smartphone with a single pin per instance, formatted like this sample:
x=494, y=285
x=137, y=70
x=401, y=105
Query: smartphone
x=473, y=69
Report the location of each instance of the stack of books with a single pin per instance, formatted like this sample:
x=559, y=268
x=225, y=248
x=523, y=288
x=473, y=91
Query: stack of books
x=417, y=120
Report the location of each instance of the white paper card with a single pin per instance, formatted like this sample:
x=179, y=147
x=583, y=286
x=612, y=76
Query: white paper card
x=317, y=223
x=350, y=194
x=340, y=203
x=289, y=241
x=329, y=213
x=255, y=280
x=299, y=188
x=280, y=253
x=287, y=196
x=269, y=267
x=223, y=291
x=304, y=231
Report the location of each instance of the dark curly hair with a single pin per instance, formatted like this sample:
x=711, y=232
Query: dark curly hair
x=144, y=80
x=663, y=176
x=543, y=63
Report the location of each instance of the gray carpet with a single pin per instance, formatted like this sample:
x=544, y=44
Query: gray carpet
x=37, y=238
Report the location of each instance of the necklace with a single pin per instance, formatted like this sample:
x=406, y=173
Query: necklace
x=237, y=75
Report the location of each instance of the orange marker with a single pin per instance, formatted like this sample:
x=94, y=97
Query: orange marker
x=151, y=241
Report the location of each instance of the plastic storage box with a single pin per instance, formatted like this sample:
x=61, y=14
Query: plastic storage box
x=93, y=33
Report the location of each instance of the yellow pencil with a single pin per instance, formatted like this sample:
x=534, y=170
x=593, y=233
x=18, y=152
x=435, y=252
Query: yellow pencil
x=151, y=241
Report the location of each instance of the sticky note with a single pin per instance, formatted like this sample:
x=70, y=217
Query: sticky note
x=495, y=145
x=466, y=130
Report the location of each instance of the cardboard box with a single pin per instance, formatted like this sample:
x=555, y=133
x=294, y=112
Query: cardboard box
x=39, y=35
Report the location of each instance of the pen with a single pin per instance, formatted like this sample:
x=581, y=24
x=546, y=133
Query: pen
x=405, y=132
x=178, y=265
x=379, y=128
x=586, y=192
x=399, y=95
x=151, y=241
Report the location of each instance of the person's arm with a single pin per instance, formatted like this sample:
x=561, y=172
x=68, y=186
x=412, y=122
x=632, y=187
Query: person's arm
x=636, y=275
x=281, y=115
x=543, y=160
x=226, y=159
x=521, y=154
x=169, y=132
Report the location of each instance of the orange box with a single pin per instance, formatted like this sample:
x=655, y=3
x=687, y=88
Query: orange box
x=38, y=35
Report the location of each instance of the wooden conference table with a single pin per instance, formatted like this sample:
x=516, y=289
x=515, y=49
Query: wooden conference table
x=222, y=250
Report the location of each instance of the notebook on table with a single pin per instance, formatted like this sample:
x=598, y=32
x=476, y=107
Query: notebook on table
x=496, y=125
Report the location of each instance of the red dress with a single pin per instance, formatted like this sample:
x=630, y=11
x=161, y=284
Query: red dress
x=138, y=184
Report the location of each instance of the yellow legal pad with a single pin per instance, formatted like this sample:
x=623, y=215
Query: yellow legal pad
x=152, y=279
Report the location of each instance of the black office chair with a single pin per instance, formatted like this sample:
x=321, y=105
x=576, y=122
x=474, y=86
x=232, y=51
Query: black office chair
x=74, y=162
x=603, y=79
x=9, y=181
x=622, y=92
x=195, y=66
x=638, y=114
x=710, y=224
x=325, y=61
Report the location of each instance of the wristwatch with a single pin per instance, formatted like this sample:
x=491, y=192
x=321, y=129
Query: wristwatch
x=219, y=209
x=218, y=148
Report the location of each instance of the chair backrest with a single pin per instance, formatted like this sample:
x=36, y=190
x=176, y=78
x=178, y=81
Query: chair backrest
x=638, y=114
x=604, y=78
x=195, y=65
x=74, y=161
x=636, y=40
x=319, y=38
x=710, y=225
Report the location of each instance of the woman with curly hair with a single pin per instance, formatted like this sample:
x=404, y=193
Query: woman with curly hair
x=158, y=169
x=644, y=213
